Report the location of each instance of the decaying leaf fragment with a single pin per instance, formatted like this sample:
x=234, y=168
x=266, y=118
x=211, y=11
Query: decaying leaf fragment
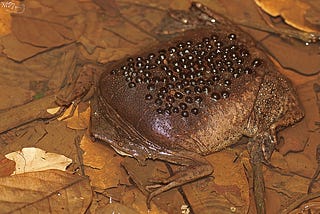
x=76, y=120
x=7, y=166
x=102, y=165
x=35, y=159
x=296, y=13
x=51, y=191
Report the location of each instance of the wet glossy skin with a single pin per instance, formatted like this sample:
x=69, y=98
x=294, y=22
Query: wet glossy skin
x=191, y=96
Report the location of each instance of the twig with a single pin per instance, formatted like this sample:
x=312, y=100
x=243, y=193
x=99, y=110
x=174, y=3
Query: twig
x=256, y=158
x=317, y=172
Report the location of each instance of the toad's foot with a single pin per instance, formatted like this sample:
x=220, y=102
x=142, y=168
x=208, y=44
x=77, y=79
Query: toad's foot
x=195, y=167
x=266, y=143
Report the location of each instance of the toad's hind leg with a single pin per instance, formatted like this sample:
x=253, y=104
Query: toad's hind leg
x=194, y=167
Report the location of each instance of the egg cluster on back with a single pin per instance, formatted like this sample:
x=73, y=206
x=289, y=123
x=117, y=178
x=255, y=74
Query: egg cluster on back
x=178, y=79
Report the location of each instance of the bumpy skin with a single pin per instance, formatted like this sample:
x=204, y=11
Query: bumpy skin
x=256, y=103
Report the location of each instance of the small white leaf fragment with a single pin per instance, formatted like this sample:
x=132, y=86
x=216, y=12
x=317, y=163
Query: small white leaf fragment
x=35, y=159
x=53, y=110
x=185, y=209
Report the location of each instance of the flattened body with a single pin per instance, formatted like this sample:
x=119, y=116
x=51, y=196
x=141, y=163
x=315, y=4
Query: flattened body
x=191, y=96
x=195, y=92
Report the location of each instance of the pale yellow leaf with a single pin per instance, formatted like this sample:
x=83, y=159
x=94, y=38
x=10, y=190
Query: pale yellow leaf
x=67, y=113
x=35, y=159
x=53, y=110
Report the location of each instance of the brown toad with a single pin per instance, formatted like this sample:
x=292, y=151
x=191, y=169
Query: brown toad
x=191, y=96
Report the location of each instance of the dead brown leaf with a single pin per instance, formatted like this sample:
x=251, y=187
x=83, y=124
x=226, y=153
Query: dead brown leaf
x=282, y=189
x=289, y=185
x=63, y=8
x=48, y=191
x=48, y=70
x=77, y=121
x=110, y=7
x=170, y=201
x=21, y=96
x=135, y=199
x=294, y=55
x=115, y=208
x=116, y=193
x=278, y=160
x=7, y=166
x=102, y=165
x=301, y=164
x=230, y=186
x=5, y=22
x=294, y=13
x=12, y=48
x=51, y=27
x=43, y=34
x=273, y=201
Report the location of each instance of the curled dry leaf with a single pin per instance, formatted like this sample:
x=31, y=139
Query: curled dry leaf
x=76, y=120
x=294, y=12
x=53, y=110
x=51, y=191
x=35, y=159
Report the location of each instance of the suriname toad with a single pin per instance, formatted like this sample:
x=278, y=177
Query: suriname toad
x=191, y=96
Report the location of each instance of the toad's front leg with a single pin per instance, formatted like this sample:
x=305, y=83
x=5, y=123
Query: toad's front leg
x=194, y=167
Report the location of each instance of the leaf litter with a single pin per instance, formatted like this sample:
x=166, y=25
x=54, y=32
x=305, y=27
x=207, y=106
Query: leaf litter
x=43, y=191
x=104, y=31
